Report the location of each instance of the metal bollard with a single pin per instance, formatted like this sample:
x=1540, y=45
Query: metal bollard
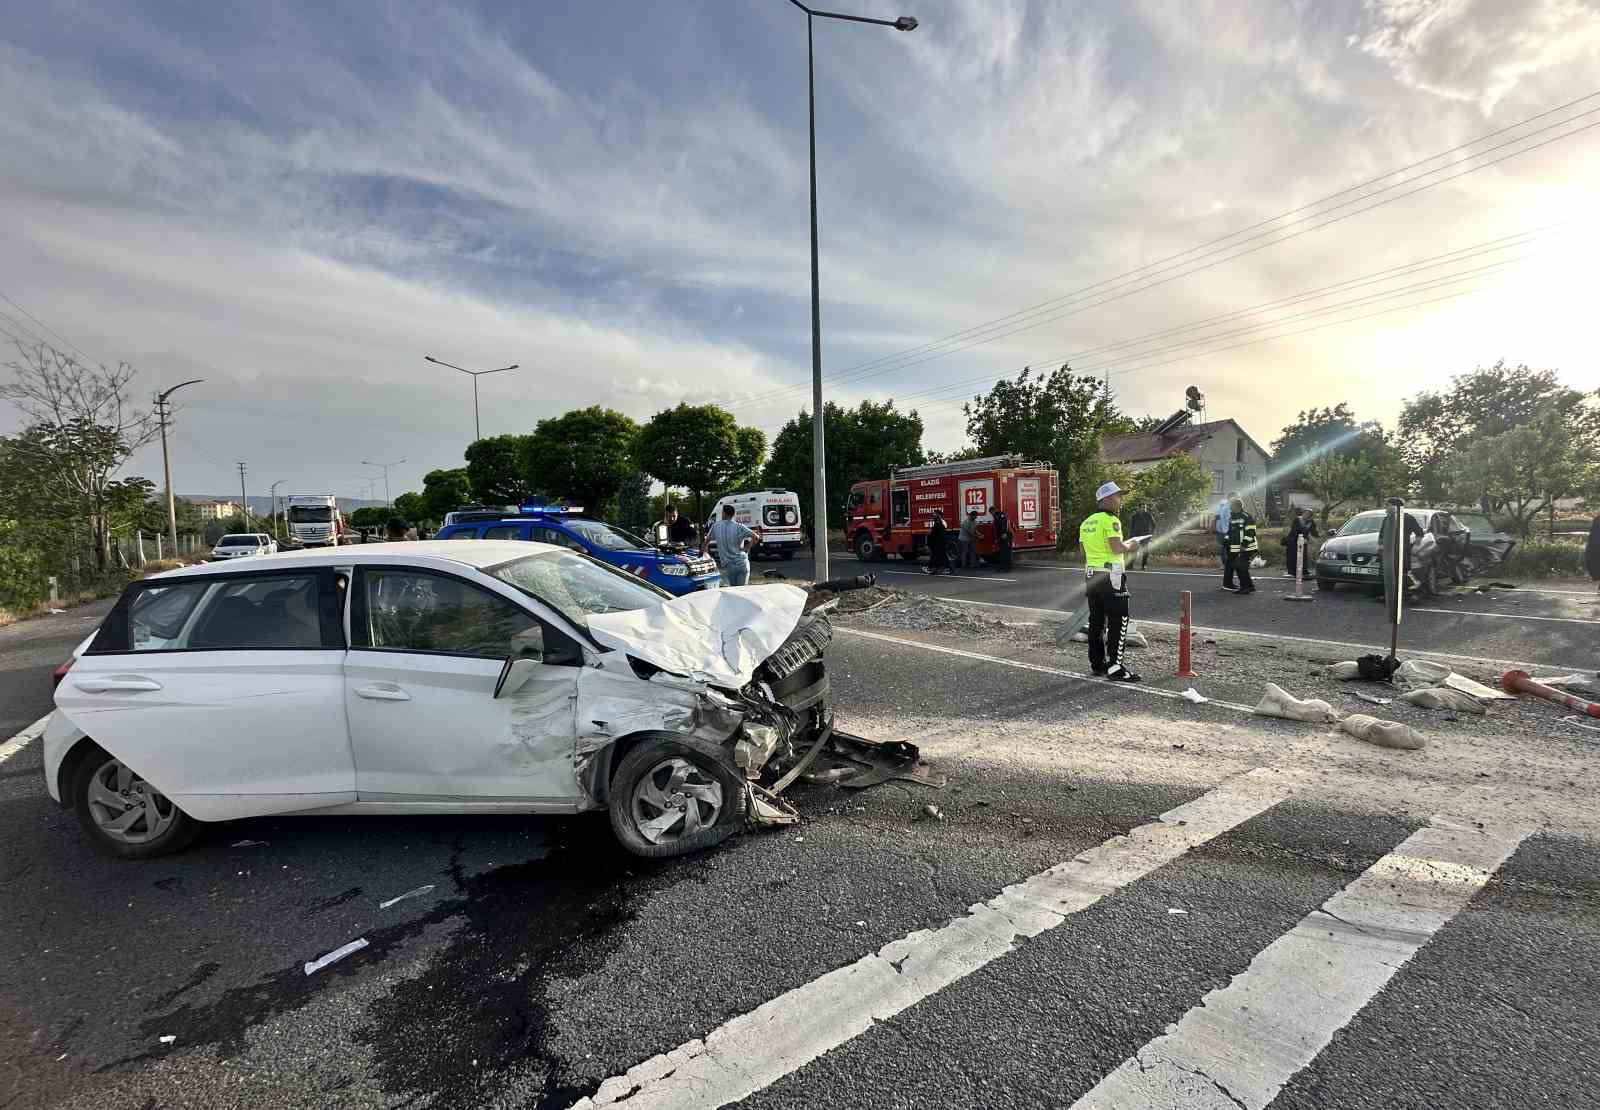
x=1185, y=634
x=1520, y=682
x=1299, y=572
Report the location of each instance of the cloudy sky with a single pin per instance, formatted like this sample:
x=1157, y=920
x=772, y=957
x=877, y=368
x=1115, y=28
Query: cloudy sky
x=297, y=202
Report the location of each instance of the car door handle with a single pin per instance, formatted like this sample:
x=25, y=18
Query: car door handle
x=115, y=685
x=382, y=691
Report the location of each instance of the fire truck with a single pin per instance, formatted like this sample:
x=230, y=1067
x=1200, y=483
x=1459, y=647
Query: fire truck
x=893, y=516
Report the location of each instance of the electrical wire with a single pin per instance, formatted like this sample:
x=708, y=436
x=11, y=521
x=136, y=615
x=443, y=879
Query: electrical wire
x=45, y=326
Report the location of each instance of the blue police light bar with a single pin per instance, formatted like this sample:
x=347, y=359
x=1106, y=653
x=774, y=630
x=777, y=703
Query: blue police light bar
x=533, y=508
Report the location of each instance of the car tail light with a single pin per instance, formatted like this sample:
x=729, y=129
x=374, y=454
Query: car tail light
x=60, y=672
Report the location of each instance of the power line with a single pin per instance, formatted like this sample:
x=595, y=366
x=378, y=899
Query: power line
x=1132, y=278
x=45, y=326
x=1461, y=254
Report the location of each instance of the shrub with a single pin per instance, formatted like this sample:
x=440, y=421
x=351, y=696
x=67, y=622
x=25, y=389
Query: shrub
x=1542, y=559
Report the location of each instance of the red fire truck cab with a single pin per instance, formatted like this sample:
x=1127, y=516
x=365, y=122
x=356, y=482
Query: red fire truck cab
x=893, y=516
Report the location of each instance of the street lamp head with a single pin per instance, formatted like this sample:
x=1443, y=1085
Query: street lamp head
x=906, y=23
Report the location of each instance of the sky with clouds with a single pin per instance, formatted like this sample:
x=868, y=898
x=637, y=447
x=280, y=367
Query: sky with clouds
x=297, y=202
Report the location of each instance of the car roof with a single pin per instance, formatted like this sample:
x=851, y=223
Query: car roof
x=441, y=554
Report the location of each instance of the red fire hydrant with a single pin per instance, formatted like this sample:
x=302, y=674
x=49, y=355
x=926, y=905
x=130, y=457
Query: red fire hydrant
x=1521, y=682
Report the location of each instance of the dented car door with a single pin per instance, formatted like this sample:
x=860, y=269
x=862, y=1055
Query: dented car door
x=426, y=650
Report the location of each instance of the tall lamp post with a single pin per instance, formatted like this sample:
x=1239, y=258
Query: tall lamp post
x=274, y=492
x=164, y=417
x=819, y=507
x=385, y=466
x=477, y=427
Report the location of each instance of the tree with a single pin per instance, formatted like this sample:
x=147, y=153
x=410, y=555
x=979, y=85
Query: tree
x=92, y=423
x=585, y=455
x=1524, y=470
x=1060, y=419
x=633, y=502
x=1171, y=488
x=444, y=491
x=1337, y=478
x=1483, y=404
x=369, y=517
x=698, y=447
x=867, y=441
x=494, y=469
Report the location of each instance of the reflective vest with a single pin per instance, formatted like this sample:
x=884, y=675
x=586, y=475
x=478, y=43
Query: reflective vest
x=1094, y=534
x=1242, y=534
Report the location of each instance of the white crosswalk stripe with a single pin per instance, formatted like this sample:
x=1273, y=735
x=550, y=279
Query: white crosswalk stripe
x=1243, y=1043
x=756, y=1049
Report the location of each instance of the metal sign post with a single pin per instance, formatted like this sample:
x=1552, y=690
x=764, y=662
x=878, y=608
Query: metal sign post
x=1299, y=572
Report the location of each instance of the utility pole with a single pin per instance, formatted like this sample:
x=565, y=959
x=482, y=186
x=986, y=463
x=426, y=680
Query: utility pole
x=273, y=490
x=163, y=415
x=244, y=502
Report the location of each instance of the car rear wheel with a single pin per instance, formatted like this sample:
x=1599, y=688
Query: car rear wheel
x=124, y=815
x=669, y=799
x=1327, y=584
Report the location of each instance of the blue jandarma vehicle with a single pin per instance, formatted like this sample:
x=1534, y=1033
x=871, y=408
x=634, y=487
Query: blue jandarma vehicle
x=566, y=527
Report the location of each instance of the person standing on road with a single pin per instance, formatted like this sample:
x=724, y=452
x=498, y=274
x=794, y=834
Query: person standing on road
x=680, y=529
x=1143, y=524
x=1223, y=513
x=734, y=541
x=1002, y=538
x=967, y=540
x=397, y=530
x=1241, y=547
x=938, y=545
x=1304, y=525
x=1107, y=585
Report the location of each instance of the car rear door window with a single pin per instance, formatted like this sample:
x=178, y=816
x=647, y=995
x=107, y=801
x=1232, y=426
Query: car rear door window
x=408, y=610
x=276, y=611
x=158, y=615
x=504, y=532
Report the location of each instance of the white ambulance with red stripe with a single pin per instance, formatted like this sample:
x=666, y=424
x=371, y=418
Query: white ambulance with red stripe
x=773, y=512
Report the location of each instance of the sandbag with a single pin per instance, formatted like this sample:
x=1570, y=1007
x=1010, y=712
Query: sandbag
x=1423, y=672
x=1346, y=670
x=1385, y=734
x=1443, y=697
x=1276, y=702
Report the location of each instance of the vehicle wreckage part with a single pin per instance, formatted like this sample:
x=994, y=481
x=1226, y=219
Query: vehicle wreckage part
x=1521, y=682
x=768, y=810
x=670, y=799
x=896, y=759
x=805, y=761
x=754, y=747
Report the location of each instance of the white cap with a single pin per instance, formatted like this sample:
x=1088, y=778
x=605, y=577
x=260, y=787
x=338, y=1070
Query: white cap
x=1106, y=491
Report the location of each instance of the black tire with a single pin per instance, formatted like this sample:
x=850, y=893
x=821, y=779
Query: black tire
x=865, y=549
x=648, y=761
x=1327, y=585
x=179, y=831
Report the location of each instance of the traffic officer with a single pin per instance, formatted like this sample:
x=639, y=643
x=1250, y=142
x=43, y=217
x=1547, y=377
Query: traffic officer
x=1103, y=552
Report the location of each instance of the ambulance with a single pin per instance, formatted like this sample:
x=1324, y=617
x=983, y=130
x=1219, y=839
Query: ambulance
x=776, y=512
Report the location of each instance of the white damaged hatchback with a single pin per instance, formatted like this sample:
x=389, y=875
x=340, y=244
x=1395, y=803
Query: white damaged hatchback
x=441, y=677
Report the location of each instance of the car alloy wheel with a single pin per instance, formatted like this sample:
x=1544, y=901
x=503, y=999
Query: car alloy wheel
x=675, y=799
x=127, y=809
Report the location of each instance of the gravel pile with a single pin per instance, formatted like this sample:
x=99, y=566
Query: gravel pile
x=920, y=613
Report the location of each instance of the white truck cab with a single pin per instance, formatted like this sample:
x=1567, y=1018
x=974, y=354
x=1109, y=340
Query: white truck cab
x=774, y=512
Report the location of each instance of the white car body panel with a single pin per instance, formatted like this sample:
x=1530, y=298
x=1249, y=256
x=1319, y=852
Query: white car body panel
x=60, y=734
x=714, y=636
x=226, y=733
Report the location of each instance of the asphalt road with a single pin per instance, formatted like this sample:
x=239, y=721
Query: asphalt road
x=543, y=961
x=1549, y=625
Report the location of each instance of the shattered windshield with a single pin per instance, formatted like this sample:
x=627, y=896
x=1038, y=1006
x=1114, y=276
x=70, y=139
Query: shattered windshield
x=577, y=586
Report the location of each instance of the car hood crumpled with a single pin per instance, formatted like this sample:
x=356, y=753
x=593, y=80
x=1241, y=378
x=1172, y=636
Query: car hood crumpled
x=714, y=636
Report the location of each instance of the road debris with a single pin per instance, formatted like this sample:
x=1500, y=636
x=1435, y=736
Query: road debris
x=1385, y=734
x=1443, y=697
x=1276, y=702
x=1423, y=672
x=1191, y=694
x=248, y=844
x=1372, y=698
x=933, y=812
x=336, y=955
x=170, y=1038
x=417, y=893
x=1520, y=682
x=1177, y=913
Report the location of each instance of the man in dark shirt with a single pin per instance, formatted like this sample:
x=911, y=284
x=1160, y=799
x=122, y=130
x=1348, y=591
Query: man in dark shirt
x=1143, y=524
x=680, y=529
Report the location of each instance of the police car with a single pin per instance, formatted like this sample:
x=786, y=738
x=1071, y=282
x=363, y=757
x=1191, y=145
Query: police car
x=567, y=527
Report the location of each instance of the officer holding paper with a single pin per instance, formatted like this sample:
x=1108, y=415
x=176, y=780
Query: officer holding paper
x=1104, y=552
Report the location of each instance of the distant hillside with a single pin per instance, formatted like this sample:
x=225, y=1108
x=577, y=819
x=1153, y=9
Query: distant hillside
x=261, y=506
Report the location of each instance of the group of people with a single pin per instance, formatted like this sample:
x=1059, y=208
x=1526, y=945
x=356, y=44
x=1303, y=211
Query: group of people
x=1237, y=546
x=967, y=542
x=734, y=541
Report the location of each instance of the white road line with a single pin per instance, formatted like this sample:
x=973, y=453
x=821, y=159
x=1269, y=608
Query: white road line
x=1245, y=1041
x=1060, y=615
x=22, y=739
x=1501, y=616
x=757, y=1048
x=1132, y=688
x=952, y=577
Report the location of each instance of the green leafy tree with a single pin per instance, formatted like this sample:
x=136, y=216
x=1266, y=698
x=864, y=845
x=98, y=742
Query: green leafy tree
x=445, y=491
x=1171, y=489
x=1524, y=470
x=865, y=442
x=634, y=510
x=1318, y=431
x=1059, y=418
x=413, y=507
x=494, y=469
x=700, y=448
x=585, y=455
x=369, y=517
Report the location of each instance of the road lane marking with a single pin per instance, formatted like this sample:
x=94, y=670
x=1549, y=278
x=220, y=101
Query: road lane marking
x=1242, y=1043
x=1040, y=668
x=953, y=577
x=757, y=1048
x=22, y=739
x=1501, y=616
x=1061, y=613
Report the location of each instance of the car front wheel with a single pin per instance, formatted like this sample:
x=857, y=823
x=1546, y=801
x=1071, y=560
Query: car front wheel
x=669, y=799
x=124, y=815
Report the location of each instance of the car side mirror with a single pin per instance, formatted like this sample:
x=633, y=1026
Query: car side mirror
x=514, y=675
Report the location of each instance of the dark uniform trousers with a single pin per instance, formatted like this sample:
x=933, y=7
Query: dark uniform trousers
x=1108, y=620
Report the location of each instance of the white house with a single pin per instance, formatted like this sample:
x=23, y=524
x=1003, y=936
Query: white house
x=1236, y=462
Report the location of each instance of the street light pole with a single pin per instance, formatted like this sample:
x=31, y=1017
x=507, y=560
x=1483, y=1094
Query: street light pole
x=385, y=466
x=819, y=475
x=477, y=426
x=162, y=416
x=274, y=492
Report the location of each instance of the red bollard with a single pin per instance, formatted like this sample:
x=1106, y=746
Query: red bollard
x=1520, y=682
x=1185, y=634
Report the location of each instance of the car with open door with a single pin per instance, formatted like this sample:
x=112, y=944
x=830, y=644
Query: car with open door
x=433, y=677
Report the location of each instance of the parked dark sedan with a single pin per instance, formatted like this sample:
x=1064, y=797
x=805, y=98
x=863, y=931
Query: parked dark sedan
x=1460, y=547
